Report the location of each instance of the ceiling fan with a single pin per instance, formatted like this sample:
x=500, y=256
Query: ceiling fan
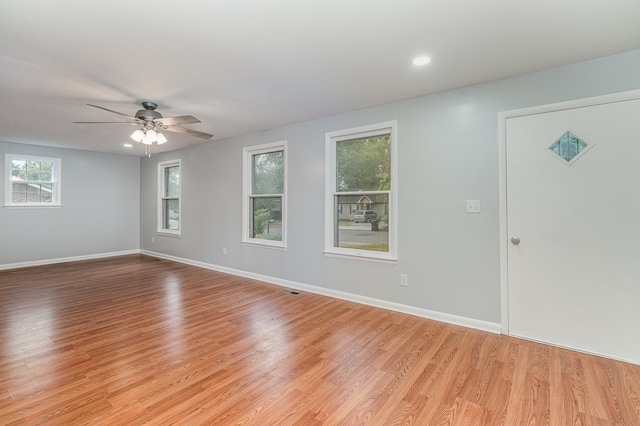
x=152, y=123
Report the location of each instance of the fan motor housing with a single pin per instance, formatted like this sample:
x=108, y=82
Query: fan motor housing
x=147, y=115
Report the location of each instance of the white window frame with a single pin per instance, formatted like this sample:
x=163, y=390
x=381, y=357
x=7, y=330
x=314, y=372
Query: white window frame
x=331, y=140
x=162, y=167
x=247, y=193
x=56, y=181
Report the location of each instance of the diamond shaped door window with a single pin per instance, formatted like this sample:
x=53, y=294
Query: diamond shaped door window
x=569, y=148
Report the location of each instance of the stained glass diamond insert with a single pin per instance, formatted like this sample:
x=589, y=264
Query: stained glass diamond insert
x=568, y=147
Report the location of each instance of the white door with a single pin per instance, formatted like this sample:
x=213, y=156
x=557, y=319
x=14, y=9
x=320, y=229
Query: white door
x=573, y=228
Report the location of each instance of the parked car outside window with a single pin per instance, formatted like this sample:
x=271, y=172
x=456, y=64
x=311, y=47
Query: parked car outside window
x=364, y=216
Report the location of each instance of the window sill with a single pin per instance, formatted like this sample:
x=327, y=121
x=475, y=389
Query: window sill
x=265, y=243
x=32, y=206
x=362, y=255
x=166, y=233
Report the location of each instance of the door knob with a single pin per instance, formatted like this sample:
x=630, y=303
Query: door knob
x=515, y=240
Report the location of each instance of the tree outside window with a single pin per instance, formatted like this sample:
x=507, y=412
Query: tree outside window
x=264, y=197
x=32, y=181
x=360, y=192
x=169, y=200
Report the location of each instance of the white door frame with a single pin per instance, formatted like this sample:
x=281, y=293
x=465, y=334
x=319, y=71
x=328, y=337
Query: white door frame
x=502, y=127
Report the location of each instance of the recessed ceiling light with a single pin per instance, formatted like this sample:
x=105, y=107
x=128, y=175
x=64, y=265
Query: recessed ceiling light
x=422, y=60
x=128, y=145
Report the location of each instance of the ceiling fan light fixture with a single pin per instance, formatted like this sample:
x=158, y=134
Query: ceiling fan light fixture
x=138, y=135
x=151, y=136
x=161, y=138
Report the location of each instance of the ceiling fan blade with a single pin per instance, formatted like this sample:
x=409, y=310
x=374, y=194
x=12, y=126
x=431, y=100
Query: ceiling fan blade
x=105, y=122
x=178, y=129
x=112, y=111
x=182, y=119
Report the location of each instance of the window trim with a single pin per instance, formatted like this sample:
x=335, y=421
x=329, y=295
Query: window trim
x=247, y=185
x=56, y=199
x=162, y=167
x=331, y=139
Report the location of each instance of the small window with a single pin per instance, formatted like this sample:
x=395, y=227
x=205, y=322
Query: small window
x=264, y=201
x=360, y=212
x=32, y=181
x=569, y=148
x=169, y=199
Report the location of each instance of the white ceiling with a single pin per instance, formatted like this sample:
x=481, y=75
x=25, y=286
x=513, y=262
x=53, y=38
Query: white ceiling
x=247, y=65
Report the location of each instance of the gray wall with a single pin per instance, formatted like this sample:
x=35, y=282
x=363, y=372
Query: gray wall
x=448, y=153
x=100, y=210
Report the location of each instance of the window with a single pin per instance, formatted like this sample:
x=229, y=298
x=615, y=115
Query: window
x=169, y=200
x=31, y=181
x=360, y=207
x=264, y=201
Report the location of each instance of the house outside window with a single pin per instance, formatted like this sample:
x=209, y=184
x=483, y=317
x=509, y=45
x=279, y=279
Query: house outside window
x=169, y=207
x=264, y=195
x=361, y=182
x=32, y=181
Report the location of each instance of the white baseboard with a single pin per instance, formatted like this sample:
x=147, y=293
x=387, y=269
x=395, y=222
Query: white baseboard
x=66, y=259
x=392, y=306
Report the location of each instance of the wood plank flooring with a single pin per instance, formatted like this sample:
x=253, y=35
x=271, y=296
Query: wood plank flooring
x=135, y=340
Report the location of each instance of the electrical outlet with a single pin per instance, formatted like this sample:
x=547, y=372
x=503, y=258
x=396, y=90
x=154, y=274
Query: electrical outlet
x=224, y=251
x=473, y=206
x=153, y=240
x=404, y=280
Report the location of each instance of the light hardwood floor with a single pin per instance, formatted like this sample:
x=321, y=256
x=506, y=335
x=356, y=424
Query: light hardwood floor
x=135, y=340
